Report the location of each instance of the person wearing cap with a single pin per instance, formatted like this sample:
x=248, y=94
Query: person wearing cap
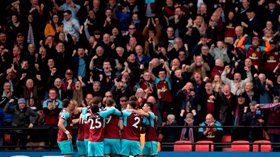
x=252, y=24
x=272, y=12
x=23, y=116
x=253, y=117
x=20, y=41
x=238, y=112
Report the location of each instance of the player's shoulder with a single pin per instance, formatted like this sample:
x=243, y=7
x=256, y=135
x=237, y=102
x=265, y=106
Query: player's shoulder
x=64, y=111
x=152, y=114
x=64, y=114
x=126, y=112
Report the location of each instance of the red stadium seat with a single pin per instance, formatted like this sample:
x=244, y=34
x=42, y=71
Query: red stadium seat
x=7, y=138
x=240, y=146
x=183, y=146
x=226, y=139
x=203, y=146
x=265, y=146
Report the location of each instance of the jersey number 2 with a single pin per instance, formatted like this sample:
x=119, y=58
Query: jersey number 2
x=137, y=121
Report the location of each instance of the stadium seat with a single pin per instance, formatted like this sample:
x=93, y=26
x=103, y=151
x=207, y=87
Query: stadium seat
x=240, y=146
x=182, y=146
x=7, y=138
x=265, y=146
x=203, y=146
x=226, y=139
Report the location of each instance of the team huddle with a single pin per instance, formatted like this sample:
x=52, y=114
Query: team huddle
x=108, y=132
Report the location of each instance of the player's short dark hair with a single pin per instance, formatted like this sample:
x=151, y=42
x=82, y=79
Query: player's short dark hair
x=132, y=98
x=110, y=102
x=65, y=103
x=150, y=105
x=94, y=108
x=132, y=104
x=96, y=100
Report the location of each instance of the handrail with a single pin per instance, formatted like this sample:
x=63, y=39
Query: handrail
x=51, y=147
x=218, y=144
x=219, y=126
x=54, y=127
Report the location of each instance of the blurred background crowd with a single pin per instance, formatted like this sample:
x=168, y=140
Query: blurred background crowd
x=200, y=62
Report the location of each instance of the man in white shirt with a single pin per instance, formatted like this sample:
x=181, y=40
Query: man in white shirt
x=71, y=25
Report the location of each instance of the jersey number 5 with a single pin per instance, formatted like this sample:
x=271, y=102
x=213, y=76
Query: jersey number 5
x=95, y=123
x=137, y=121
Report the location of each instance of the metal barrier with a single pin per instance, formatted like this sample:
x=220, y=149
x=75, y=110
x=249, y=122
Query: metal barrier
x=221, y=144
x=51, y=147
x=48, y=146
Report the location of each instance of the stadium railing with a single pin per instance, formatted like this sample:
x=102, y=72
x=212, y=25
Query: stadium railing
x=53, y=147
x=253, y=146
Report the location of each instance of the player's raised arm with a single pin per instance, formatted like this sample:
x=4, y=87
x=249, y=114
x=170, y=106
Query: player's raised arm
x=110, y=109
x=82, y=110
x=141, y=113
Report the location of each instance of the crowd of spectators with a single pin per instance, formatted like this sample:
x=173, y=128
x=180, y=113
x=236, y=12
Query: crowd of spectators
x=201, y=62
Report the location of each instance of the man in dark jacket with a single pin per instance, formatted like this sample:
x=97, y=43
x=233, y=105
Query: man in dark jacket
x=227, y=104
x=238, y=113
x=253, y=118
x=23, y=117
x=7, y=97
